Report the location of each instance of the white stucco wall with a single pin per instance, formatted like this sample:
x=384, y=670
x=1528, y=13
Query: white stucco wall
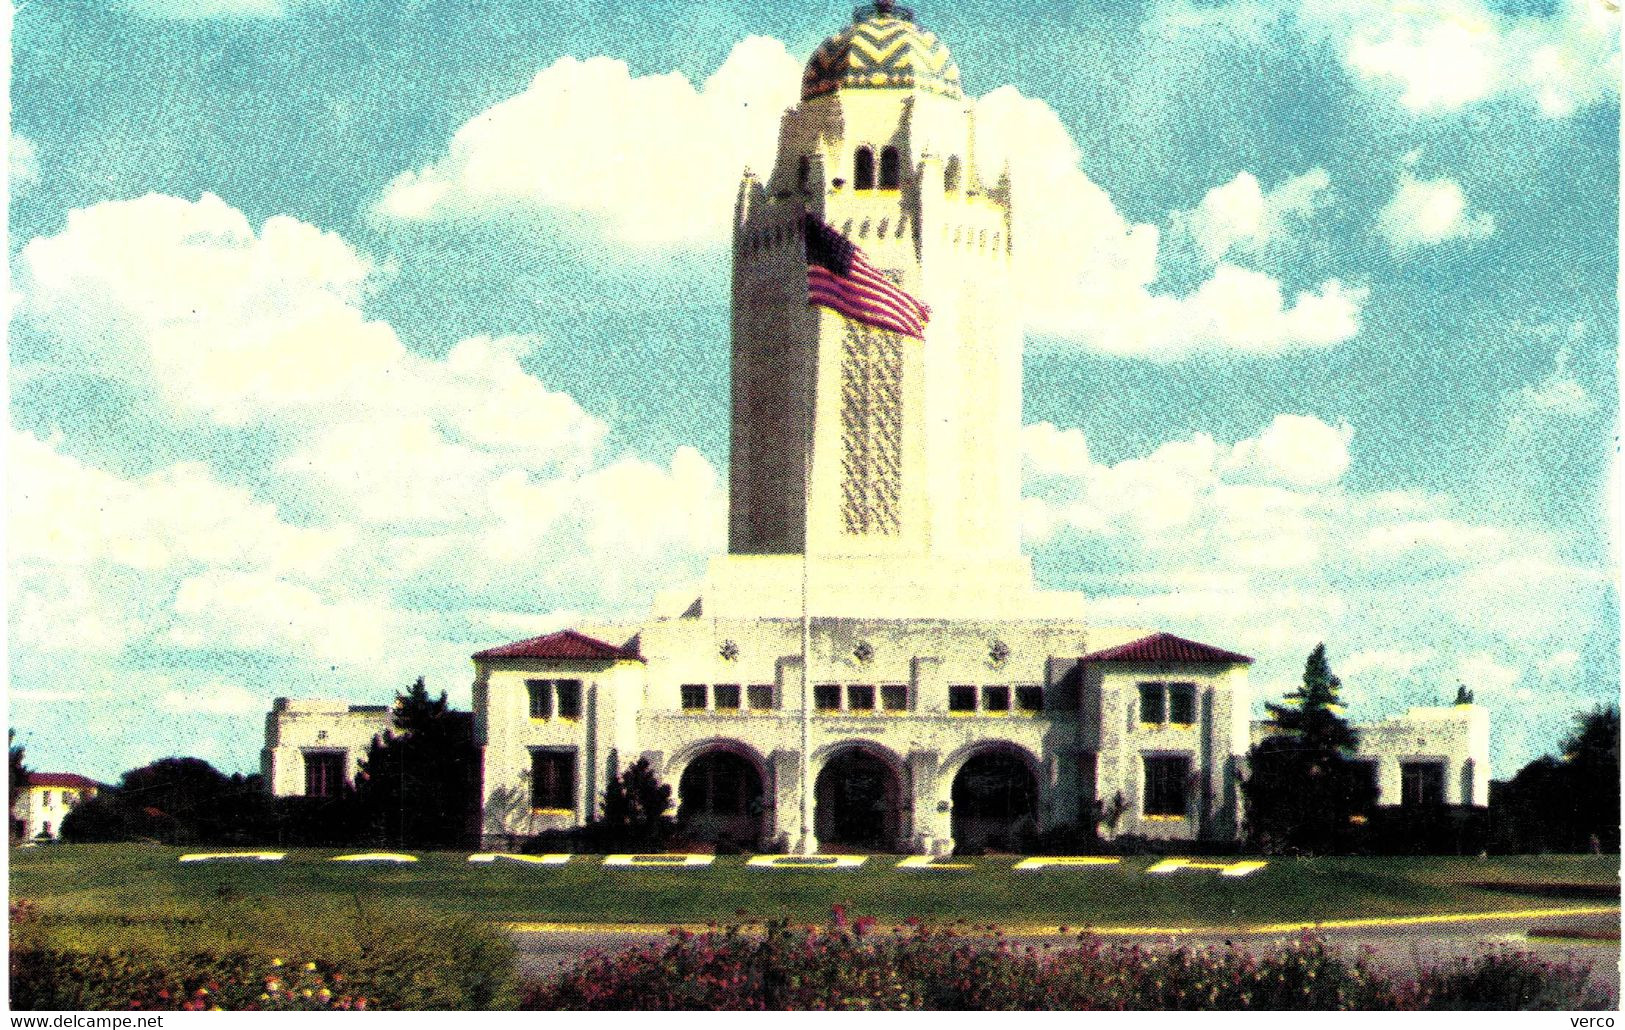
x=295, y=726
x=42, y=809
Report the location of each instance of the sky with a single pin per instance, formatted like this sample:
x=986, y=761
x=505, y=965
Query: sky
x=348, y=337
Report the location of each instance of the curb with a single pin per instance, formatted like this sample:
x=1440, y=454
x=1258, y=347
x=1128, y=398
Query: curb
x=1053, y=930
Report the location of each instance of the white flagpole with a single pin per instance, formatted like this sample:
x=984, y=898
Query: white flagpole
x=805, y=846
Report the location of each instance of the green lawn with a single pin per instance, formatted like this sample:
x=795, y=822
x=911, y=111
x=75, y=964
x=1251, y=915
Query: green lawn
x=130, y=881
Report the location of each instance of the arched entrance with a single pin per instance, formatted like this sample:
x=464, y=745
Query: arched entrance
x=995, y=802
x=720, y=800
x=859, y=802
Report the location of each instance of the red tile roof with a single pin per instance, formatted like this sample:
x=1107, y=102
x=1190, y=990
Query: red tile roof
x=1168, y=649
x=565, y=645
x=45, y=779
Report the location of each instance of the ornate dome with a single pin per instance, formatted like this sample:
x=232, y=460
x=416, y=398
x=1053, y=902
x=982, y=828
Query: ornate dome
x=881, y=49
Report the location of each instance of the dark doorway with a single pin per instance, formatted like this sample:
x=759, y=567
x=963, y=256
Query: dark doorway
x=720, y=800
x=858, y=803
x=995, y=799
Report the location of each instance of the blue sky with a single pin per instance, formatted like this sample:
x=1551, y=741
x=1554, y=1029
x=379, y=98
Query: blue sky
x=349, y=337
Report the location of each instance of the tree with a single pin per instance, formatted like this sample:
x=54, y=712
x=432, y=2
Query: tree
x=635, y=806
x=1566, y=803
x=176, y=800
x=1304, y=793
x=419, y=783
x=17, y=782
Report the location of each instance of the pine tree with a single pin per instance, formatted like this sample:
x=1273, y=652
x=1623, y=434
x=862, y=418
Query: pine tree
x=1304, y=793
x=418, y=786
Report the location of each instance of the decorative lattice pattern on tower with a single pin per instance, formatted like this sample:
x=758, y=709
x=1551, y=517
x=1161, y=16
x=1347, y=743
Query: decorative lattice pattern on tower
x=880, y=51
x=871, y=431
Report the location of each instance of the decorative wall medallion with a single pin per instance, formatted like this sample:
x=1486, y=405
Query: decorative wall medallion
x=998, y=651
x=729, y=650
x=863, y=652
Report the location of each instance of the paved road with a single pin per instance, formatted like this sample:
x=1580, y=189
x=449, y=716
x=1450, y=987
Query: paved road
x=544, y=953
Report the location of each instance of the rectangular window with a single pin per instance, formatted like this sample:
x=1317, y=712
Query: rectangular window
x=693, y=697
x=569, y=695
x=1421, y=783
x=996, y=699
x=860, y=698
x=827, y=697
x=553, y=779
x=1166, y=784
x=894, y=697
x=541, y=698
x=760, y=696
x=1030, y=698
x=727, y=697
x=1151, y=703
x=1182, y=704
x=324, y=774
x=961, y=699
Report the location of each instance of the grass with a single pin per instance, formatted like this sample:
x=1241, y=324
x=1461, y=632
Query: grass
x=126, y=883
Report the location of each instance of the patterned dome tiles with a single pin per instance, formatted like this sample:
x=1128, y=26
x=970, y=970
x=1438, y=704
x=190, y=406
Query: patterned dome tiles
x=881, y=52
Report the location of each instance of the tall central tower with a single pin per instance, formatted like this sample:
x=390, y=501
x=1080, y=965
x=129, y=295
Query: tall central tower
x=889, y=460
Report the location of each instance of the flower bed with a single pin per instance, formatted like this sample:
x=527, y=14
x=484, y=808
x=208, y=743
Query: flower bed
x=847, y=965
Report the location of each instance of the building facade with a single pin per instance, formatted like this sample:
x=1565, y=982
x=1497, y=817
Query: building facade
x=46, y=801
x=871, y=665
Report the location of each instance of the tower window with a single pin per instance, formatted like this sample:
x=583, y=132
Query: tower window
x=890, y=169
x=827, y=697
x=1030, y=698
x=727, y=696
x=693, y=696
x=863, y=169
x=760, y=696
x=803, y=171
x=951, y=175
x=860, y=698
x=894, y=697
x=961, y=699
x=996, y=699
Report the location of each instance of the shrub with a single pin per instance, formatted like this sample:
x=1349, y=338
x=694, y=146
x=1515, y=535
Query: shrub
x=248, y=956
x=849, y=966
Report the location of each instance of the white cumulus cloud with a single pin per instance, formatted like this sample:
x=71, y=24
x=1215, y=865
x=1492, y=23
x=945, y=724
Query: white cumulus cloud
x=1239, y=215
x=1441, y=56
x=654, y=156
x=1429, y=211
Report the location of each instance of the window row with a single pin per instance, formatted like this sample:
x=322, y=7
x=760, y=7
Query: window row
x=860, y=697
x=549, y=698
x=1168, y=703
x=726, y=697
x=997, y=698
x=890, y=171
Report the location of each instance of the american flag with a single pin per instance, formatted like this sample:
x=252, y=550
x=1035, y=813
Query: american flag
x=840, y=277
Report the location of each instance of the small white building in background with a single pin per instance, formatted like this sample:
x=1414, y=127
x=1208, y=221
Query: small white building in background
x=46, y=801
x=315, y=748
x=875, y=485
